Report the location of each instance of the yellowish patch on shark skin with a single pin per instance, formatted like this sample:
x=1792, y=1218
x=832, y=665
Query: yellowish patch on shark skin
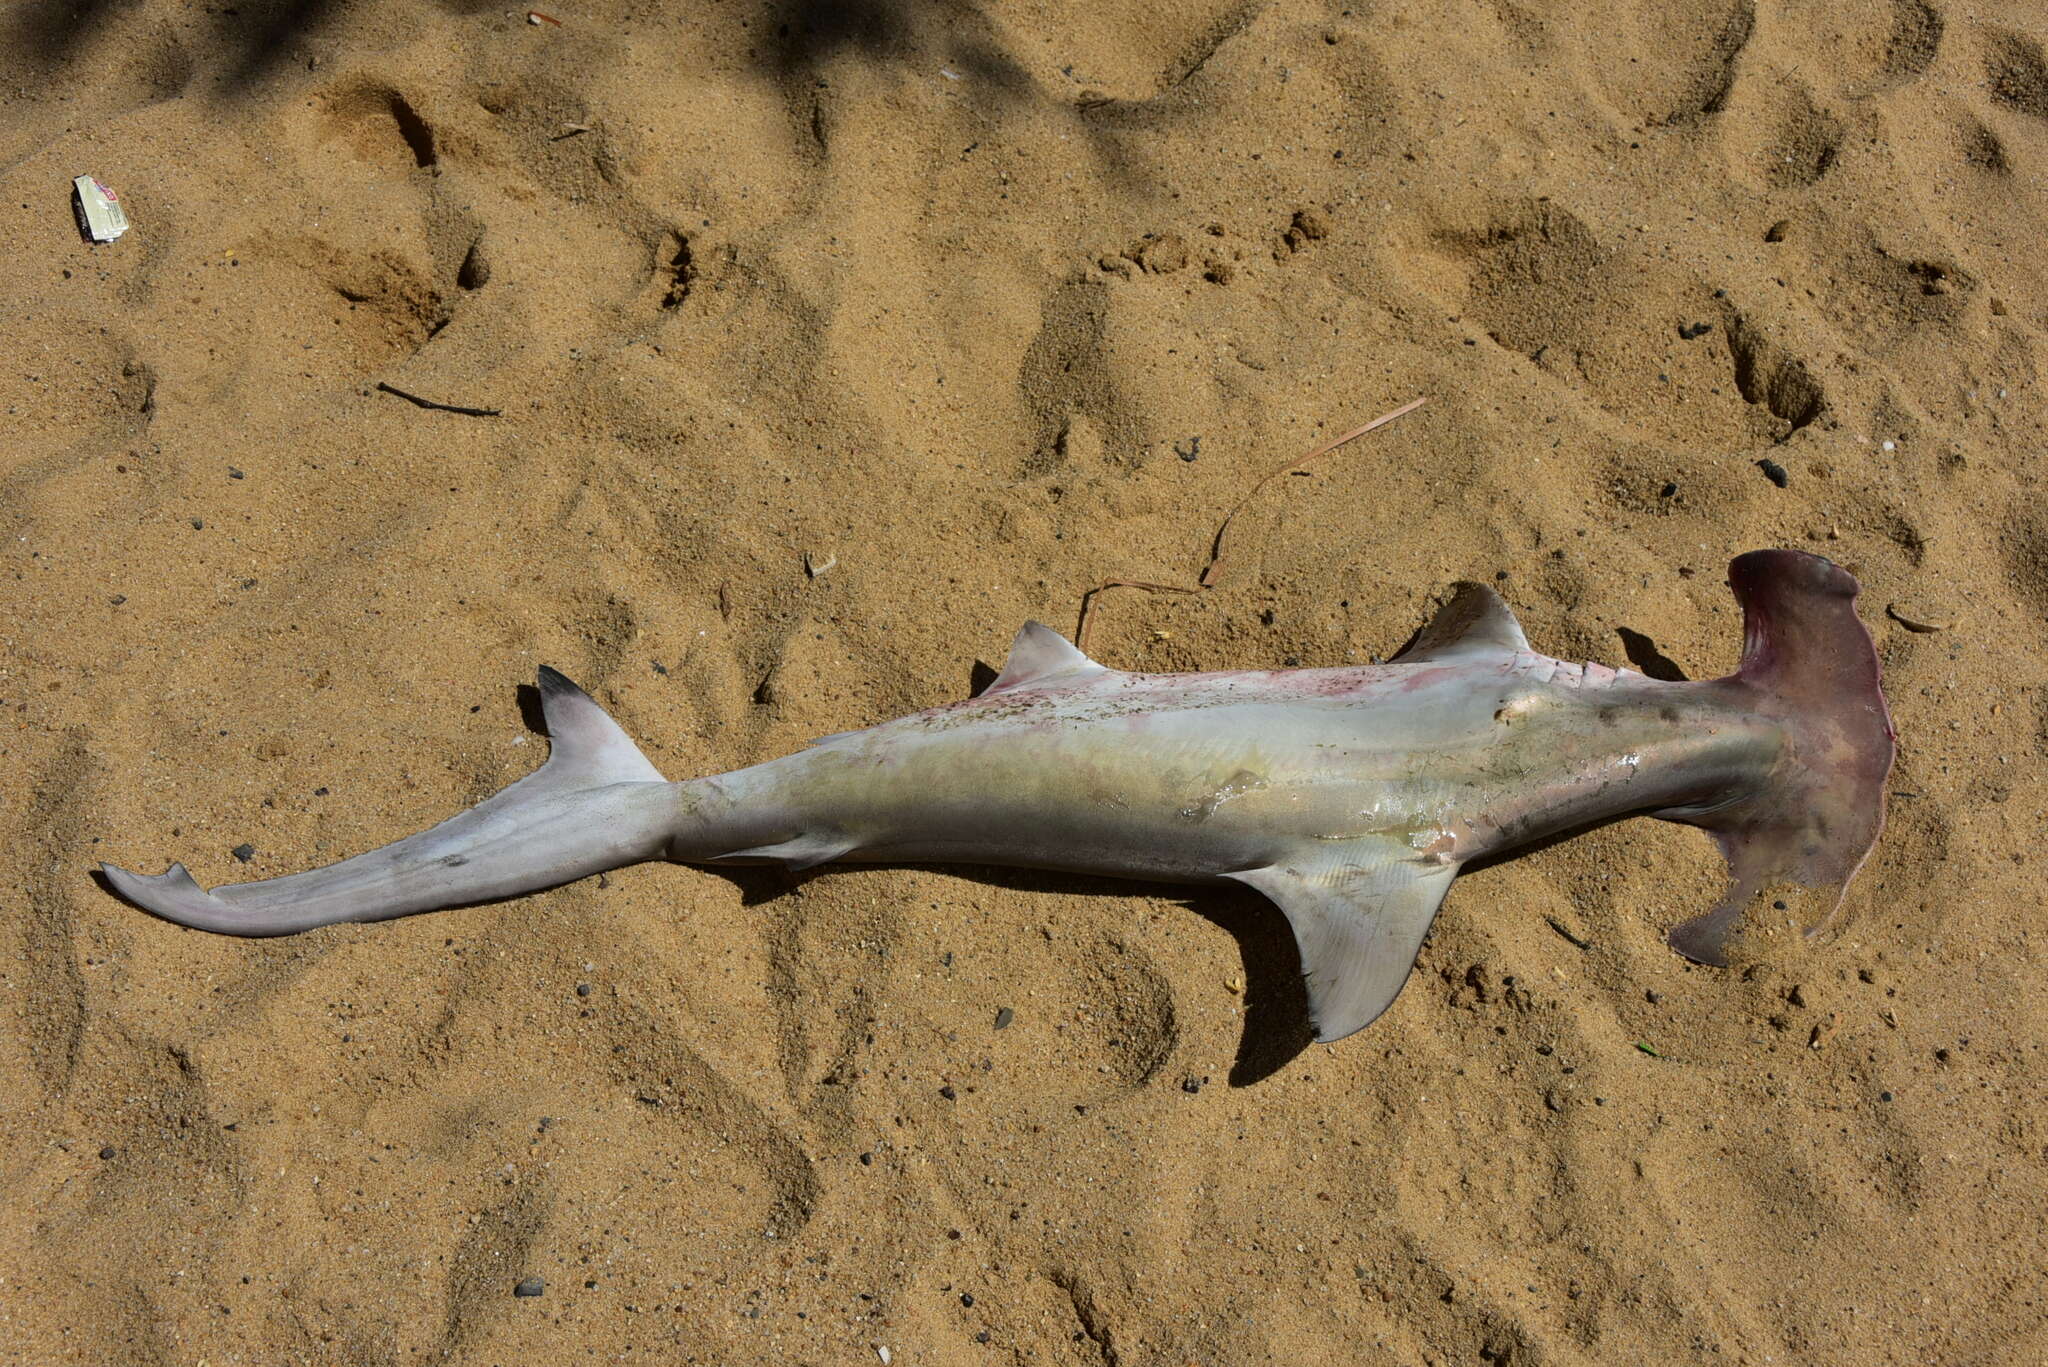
x=1243, y=782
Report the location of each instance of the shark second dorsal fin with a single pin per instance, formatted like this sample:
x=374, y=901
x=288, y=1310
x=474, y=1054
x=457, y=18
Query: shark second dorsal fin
x=1475, y=622
x=1359, y=911
x=1041, y=655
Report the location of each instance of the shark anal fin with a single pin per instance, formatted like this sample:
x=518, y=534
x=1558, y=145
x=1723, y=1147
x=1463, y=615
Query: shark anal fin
x=1474, y=624
x=1040, y=655
x=1359, y=912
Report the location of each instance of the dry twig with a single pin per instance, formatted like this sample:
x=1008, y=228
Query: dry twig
x=1212, y=573
x=437, y=406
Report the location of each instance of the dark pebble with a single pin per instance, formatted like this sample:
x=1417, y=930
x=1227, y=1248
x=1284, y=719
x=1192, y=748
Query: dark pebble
x=529, y=1288
x=319, y=792
x=1884, y=1096
x=948, y=1092
x=982, y=1337
x=1191, y=1085
x=1688, y=331
x=1668, y=491
x=109, y=1151
x=582, y=989
x=968, y=1300
x=118, y=599
x=198, y=525
x=244, y=852
x=659, y=667
x=1774, y=472
x=233, y=473
x=867, y=1160
x=1003, y=1018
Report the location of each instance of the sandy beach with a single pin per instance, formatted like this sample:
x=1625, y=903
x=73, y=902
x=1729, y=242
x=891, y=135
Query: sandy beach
x=809, y=351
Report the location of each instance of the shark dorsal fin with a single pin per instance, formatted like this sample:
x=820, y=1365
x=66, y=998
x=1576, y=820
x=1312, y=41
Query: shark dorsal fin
x=1476, y=622
x=1040, y=655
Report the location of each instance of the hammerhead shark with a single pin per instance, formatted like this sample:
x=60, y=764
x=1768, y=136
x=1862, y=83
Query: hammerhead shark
x=1349, y=796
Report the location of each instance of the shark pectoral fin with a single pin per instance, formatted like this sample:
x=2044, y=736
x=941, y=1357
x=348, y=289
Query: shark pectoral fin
x=1359, y=911
x=1475, y=623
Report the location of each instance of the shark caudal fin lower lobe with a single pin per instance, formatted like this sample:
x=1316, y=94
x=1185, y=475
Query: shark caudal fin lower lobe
x=1807, y=661
x=596, y=804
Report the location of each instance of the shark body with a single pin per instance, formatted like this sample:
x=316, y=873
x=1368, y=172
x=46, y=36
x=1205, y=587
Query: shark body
x=1350, y=796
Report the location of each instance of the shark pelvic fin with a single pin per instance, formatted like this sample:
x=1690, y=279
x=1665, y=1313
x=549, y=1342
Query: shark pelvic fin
x=1039, y=656
x=799, y=852
x=1359, y=911
x=1475, y=623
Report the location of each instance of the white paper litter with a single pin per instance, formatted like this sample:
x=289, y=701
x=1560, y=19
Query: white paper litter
x=100, y=215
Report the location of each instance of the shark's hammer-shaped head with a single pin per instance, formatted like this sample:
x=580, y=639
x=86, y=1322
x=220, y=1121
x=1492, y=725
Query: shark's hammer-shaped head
x=1808, y=663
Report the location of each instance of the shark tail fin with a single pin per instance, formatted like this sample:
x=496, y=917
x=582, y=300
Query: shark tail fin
x=1808, y=661
x=596, y=804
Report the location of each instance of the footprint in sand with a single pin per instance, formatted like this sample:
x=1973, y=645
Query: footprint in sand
x=1770, y=377
x=1688, y=63
x=2016, y=71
